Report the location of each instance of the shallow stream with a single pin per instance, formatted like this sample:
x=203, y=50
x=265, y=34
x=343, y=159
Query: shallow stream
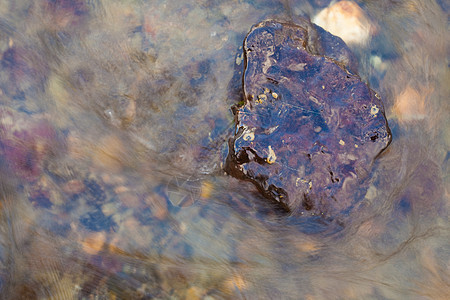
x=114, y=120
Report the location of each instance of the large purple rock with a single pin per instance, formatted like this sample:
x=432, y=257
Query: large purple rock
x=308, y=130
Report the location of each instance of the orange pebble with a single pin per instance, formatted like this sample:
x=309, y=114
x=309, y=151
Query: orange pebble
x=158, y=205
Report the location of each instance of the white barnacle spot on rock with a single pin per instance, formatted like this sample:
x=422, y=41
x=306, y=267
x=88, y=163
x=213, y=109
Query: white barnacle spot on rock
x=249, y=136
x=271, y=158
x=356, y=146
x=303, y=181
x=239, y=59
x=275, y=95
x=341, y=142
x=266, y=91
x=270, y=130
x=374, y=110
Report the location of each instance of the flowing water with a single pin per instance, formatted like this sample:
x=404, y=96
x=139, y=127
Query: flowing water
x=114, y=117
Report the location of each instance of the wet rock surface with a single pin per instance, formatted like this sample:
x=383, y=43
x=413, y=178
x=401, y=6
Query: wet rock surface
x=308, y=130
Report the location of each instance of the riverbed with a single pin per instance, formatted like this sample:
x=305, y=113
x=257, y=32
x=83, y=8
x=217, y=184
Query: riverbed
x=114, y=122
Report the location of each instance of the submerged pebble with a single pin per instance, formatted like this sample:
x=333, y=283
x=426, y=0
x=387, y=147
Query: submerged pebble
x=346, y=20
x=25, y=142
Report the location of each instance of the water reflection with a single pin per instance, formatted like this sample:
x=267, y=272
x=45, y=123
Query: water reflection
x=113, y=125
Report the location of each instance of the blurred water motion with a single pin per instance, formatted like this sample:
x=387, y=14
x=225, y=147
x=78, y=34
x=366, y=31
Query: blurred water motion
x=114, y=118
